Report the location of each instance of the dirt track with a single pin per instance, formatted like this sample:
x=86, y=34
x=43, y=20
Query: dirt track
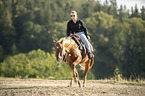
x=59, y=87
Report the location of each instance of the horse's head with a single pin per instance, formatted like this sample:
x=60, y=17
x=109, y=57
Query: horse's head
x=59, y=49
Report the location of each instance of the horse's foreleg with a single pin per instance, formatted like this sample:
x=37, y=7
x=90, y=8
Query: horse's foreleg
x=77, y=78
x=72, y=79
x=71, y=82
x=76, y=75
x=87, y=65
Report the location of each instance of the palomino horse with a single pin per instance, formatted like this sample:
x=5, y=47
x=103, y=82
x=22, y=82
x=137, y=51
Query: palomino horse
x=67, y=49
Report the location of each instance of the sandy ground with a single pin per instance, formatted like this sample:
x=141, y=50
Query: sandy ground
x=44, y=87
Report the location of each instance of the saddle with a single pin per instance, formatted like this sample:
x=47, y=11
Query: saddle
x=81, y=45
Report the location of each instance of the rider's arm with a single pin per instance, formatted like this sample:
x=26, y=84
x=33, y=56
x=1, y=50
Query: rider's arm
x=68, y=29
x=84, y=28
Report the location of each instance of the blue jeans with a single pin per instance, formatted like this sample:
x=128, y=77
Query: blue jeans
x=85, y=41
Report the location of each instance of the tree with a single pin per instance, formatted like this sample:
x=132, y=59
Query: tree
x=143, y=13
x=110, y=8
x=7, y=30
x=134, y=49
x=122, y=12
x=135, y=12
x=102, y=34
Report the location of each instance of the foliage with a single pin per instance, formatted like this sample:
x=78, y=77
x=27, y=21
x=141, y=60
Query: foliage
x=35, y=64
x=119, y=43
x=117, y=35
x=117, y=74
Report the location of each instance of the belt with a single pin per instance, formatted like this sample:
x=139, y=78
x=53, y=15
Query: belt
x=77, y=31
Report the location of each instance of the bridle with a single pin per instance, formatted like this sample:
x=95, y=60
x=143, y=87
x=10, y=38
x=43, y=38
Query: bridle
x=59, y=55
x=65, y=50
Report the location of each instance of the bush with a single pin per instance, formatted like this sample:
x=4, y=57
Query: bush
x=35, y=64
x=117, y=74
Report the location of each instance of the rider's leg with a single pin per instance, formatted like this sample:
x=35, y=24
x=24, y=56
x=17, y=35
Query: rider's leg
x=86, y=42
x=77, y=42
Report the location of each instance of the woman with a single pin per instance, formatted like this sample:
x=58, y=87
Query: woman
x=76, y=26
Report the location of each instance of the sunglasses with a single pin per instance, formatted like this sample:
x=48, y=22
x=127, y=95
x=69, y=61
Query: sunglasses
x=72, y=15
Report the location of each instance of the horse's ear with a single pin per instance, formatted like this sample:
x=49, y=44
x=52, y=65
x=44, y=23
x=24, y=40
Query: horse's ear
x=54, y=41
x=61, y=40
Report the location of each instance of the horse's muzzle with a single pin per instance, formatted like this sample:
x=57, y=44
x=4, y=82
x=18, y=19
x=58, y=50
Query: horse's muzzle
x=58, y=58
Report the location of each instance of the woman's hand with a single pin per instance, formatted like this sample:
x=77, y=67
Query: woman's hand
x=88, y=37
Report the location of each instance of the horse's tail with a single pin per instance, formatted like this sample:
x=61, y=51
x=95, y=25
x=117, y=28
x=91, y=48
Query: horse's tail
x=92, y=62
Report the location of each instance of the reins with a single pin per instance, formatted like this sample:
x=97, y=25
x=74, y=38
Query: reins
x=67, y=49
x=69, y=44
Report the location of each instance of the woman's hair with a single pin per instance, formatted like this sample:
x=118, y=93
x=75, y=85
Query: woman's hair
x=74, y=12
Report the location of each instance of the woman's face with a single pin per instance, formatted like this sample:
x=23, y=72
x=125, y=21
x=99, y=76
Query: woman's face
x=73, y=16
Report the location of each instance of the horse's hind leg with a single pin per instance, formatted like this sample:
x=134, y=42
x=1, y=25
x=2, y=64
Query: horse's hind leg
x=87, y=65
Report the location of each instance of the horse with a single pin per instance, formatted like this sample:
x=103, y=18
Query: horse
x=67, y=50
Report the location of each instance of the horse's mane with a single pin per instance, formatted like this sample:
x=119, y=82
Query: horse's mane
x=77, y=36
x=61, y=40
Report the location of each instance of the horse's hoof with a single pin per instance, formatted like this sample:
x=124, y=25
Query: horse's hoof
x=80, y=86
x=84, y=85
x=69, y=86
x=76, y=80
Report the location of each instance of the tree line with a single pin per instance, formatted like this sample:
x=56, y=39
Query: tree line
x=117, y=35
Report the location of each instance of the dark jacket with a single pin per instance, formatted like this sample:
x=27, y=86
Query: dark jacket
x=76, y=27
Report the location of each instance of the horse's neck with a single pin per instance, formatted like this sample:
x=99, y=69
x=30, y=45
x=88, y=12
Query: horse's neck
x=71, y=47
x=69, y=44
